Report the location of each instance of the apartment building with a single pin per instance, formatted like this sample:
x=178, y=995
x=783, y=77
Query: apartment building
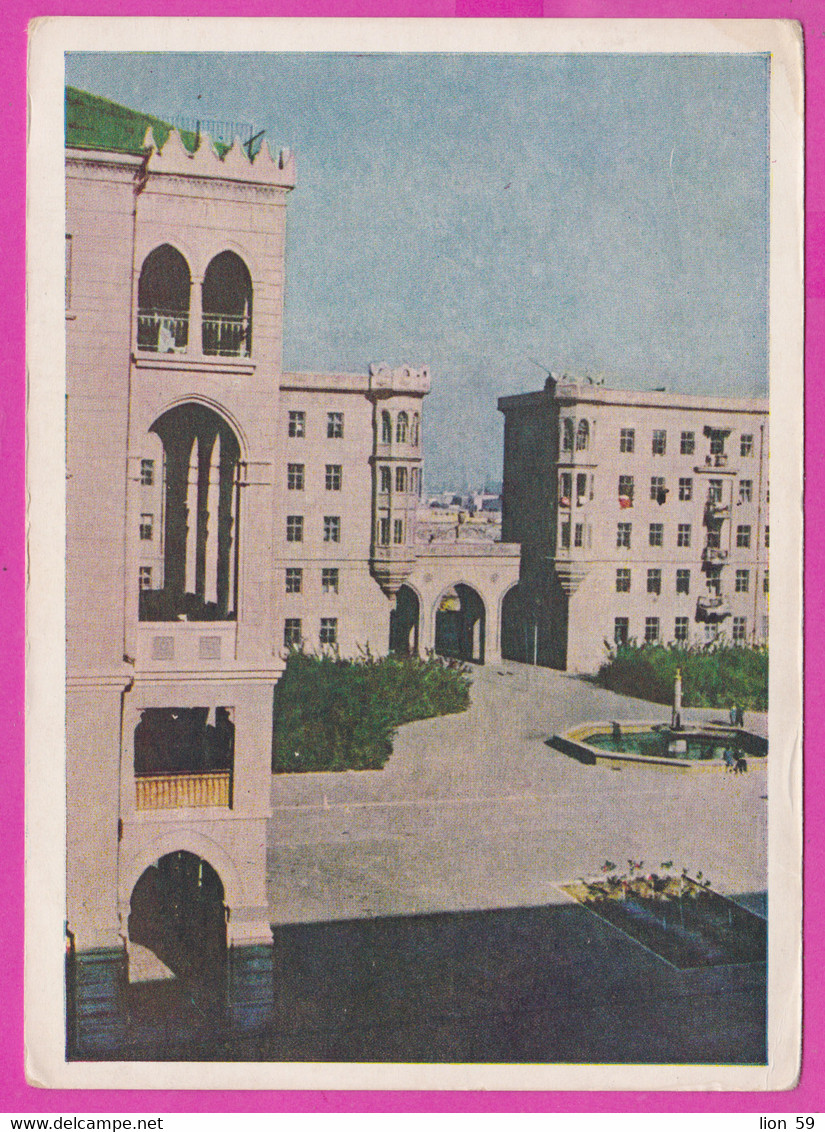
x=642, y=516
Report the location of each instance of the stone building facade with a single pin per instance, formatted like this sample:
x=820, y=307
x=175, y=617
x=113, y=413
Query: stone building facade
x=641, y=516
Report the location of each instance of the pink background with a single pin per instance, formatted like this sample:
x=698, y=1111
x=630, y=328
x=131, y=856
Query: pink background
x=15, y=1094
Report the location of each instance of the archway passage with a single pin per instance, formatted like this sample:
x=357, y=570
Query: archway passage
x=404, y=623
x=227, y=307
x=163, y=301
x=518, y=634
x=177, y=911
x=460, y=622
x=201, y=460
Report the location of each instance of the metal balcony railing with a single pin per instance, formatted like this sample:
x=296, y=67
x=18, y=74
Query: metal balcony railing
x=176, y=791
x=227, y=335
x=713, y=554
x=163, y=332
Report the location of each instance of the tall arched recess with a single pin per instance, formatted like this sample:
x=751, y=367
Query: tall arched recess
x=516, y=630
x=163, y=301
x=227, y=307
x=201, y=491
x=404, y=623
x=460, y=624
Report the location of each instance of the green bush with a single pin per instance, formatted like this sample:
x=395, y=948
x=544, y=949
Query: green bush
x=333, y=714
x=716, y=675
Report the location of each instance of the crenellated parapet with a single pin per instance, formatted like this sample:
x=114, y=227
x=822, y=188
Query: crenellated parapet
x=174, y=159
x=386, y=381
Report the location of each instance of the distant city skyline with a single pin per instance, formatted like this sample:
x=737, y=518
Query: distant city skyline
x=495, y=217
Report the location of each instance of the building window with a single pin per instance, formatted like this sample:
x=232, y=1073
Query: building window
x=386, y=479
x=714, y=491
x=386, y=428
x=578, y=535
x=329, y=579
x=743, y=581
x=714, y=581
x=622, y=580
x=743, y=535
x=745, y=491
x=297, y=422
x=332, y=528
x=401, y=426
x=147, y=472
x=651, y=630
x=765, y=584
x=333, y=477
x=581, y=488
x=568, y=432
x=621, y=630
x=687, y=445
x=685, y=489
x=398, y=531
x=659, y=445
x=656, y=534
x=292, y=631
x=654, y=581
x=582, y=436
x=565, y=488
x=623, y=535
x=144, y=577
x=658, y=492
x=414, y=481
x=746, y=444
x=147, y=523
x=415, y=433
x=294, y=528
x=681, y=631
x=767, y=537
x=565, y=535
x=400, y=479
x=717, y=442
x=384, y=532
x=294, y=579
x=627, y=440
x=683, y=581
x=625, y=491
x=295, y=477
x=683, y=534
x=335, y=426
x=329, y=630
x=740, y=629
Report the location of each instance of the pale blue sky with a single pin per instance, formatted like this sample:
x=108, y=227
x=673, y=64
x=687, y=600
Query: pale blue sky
x=604, y=215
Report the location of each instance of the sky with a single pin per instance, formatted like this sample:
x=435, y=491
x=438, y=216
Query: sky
x=496, y=217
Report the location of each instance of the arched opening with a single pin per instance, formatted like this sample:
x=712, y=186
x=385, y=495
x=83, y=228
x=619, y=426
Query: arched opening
x=460, y=624
x=184, y=757
x=177, y=911
x=519, y=632
x=163, y=301
x=227, y=307
x=386, y=428
x=201, y=494
x=401, y=427
x=404, y=623
x=568, y=432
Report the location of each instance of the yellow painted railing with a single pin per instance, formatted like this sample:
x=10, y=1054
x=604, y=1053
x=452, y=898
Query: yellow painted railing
x=174, y=791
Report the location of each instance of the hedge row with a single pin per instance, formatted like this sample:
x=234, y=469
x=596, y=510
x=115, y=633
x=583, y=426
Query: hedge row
x=333, y=714
x=714, y=676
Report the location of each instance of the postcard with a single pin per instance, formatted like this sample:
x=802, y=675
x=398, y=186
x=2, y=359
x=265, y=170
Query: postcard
x=410, y=406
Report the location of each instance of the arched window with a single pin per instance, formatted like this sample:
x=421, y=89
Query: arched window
x=415, y=434
x=568, y=433
x=582, y=436
x=227, y=307
x=401, y=427
x=386, y=428
x=163, y=301
x=201, y=490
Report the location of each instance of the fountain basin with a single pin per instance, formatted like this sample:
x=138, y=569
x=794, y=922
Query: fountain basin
x=708, y=747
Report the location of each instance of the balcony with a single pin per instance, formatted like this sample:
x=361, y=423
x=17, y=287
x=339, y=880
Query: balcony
x=178, y=791
x=162, y=332
x=711, y=609
x=226, y=335
x=714, y=554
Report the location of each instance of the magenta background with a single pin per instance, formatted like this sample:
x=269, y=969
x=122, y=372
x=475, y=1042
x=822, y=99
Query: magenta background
x=15, y=1094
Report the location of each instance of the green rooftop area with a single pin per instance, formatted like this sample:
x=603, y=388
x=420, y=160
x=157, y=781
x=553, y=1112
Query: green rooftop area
x=93, y=122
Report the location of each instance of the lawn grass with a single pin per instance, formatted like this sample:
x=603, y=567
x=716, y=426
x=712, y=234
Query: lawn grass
x=333, y=714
